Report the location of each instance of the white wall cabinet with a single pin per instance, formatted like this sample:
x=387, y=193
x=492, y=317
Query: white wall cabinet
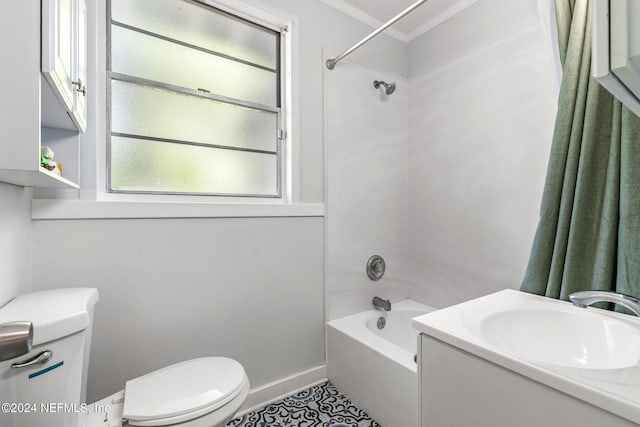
x=64, y=61
x=616, y=49
x=44, y=45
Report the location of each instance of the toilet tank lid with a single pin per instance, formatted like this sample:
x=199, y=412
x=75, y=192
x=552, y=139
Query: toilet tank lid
x=54, y=313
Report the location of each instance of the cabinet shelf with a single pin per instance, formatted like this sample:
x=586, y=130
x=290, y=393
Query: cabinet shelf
x=41, y=178
x=55, y=181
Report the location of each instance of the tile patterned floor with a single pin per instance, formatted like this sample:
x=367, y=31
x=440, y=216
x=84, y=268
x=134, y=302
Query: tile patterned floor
x=321, y=406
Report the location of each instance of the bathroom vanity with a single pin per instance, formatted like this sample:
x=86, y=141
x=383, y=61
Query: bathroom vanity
x=512, y=358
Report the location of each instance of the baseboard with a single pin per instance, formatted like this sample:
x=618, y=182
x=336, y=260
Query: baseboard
x=265, y=394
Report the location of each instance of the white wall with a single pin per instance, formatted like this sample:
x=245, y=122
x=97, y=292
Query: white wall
x=482, y=24
x=249, y=288
x=15, y=241
x=170, y=290
x=480, y=133
x=367, y=189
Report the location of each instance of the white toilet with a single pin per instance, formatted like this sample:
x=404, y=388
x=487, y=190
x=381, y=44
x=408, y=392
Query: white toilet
x=47, y=386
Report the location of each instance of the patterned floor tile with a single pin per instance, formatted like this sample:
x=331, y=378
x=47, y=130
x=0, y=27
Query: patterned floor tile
x=319, y=406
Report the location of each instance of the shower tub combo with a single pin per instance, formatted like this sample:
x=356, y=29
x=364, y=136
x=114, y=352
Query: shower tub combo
x=375, y=367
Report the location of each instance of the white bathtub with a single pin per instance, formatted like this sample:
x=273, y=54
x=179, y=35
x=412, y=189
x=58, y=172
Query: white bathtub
x=375, y=368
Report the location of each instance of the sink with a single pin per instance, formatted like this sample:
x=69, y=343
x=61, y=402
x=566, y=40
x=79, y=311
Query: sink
x=510, y=337
x=568, y=337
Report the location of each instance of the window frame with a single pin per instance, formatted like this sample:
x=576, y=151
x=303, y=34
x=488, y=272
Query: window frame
x=283, y=121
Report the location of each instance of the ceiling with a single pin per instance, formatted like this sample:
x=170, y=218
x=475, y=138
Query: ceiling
x=426, y=16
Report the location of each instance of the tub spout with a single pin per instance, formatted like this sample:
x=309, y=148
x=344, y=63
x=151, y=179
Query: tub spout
x=382, y=303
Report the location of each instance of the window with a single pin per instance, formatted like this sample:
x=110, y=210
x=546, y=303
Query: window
x=195, y=101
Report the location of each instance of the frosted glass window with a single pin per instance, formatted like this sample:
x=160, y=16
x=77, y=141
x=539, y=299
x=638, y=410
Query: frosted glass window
x=195, y=100
x=147, y=111
x=192, y=23
x=140, y=55
x=153, y=166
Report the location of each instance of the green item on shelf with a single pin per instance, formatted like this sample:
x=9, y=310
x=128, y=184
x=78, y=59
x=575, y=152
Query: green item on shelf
x=46, y=152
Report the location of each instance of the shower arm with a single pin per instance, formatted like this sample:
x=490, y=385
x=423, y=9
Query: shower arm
x=331, y=63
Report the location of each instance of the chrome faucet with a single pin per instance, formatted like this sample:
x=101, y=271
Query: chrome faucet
x=384, y=304
x=587, y=298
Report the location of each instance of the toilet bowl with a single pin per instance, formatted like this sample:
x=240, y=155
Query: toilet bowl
x=202, y=392
x=205, y=392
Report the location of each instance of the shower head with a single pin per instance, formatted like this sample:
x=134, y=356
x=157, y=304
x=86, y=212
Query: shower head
x=389, y=88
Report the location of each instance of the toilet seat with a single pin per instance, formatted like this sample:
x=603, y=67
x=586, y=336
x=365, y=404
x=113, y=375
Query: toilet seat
x=183, y=391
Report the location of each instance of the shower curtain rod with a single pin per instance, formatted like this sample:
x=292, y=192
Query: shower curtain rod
x=331, y=63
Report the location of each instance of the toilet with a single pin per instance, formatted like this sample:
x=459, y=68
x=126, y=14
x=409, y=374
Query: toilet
x=47, y=386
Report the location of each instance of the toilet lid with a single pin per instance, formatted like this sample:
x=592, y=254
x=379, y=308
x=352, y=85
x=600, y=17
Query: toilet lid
x=184, y=388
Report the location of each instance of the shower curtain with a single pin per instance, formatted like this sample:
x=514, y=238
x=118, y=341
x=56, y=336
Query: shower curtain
x=588, y=237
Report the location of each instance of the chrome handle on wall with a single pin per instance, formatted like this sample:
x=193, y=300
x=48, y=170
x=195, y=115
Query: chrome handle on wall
x=39, y=359
x=375, y=267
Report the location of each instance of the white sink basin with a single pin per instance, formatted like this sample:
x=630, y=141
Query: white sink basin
x=568, y=337
x=590, y=354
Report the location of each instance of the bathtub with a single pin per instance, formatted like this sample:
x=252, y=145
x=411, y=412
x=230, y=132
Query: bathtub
x=375, y=368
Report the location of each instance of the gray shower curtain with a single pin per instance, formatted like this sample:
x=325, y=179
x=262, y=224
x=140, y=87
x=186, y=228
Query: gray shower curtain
x=588, y=236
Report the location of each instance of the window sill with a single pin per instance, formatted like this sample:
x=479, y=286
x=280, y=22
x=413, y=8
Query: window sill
x=42, y=209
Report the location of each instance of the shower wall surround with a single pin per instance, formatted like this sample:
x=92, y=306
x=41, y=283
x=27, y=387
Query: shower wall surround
x=367, y=189
x=480, y=134
x=454, y=211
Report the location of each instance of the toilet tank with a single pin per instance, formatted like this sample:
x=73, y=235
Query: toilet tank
x=53, y=393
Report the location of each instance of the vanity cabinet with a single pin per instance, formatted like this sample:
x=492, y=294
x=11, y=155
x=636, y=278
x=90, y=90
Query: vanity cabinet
x=457, y=388
x=43, y=86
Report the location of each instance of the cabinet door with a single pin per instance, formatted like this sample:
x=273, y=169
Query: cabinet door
x=79, y=112
x=625, y=43
x=58, y=46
